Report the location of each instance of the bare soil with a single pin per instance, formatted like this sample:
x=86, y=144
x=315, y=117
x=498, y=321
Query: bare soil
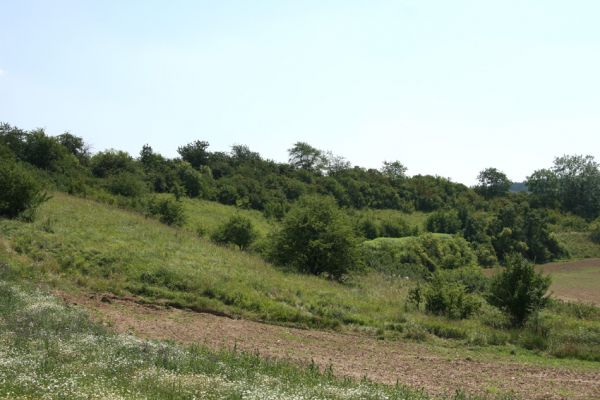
x=354, y=355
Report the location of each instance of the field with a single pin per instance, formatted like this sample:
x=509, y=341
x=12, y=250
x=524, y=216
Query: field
x=139, y=276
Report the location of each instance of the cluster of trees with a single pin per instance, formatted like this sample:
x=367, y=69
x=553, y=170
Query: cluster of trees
x=495, y=222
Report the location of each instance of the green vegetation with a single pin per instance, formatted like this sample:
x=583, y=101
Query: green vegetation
x=299, y=222
x=237, y=230
x=50, y=350
x=20, y=192
x=519, y=290
x=317, y=238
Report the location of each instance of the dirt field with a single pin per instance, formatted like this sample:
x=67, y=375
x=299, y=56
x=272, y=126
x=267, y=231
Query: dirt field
x=409, y=363
x=572, y=280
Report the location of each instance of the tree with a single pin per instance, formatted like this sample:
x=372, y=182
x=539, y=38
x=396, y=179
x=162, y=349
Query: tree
x=519, y=290
x=237, y=230
x=543, y=185
x=75, y=145
x=20, y=192
x=492, y=183
x=195, y=153
x=303, y=156
x=579, y=184
x=394, y=170
x=317, y=238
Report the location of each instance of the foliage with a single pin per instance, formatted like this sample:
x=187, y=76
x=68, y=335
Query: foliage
x=20, y=192
x=492, y=183
x=168, y=210
x=573, y=184
x=126, y=184
x=316, y=237
x=446, y=221
x=595, y=231
x=519, y=290
x=195, y=153
x=112, y=162
x=237, y=230
x=449, y=299
x=414, y=256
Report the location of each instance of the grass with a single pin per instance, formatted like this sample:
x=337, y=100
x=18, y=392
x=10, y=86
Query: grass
x=578, y=244
x=96, y=247
x=49, y=350
x=208, y=215
x=100, y=248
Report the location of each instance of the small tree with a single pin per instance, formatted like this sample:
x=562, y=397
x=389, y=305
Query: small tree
x=519, y=290
x=168, y=210
x=237, y=230
x=316, y=237
x=492, y=183
x=20, y=193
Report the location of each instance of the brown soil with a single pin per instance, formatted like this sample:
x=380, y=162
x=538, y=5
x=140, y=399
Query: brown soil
x=357, y=356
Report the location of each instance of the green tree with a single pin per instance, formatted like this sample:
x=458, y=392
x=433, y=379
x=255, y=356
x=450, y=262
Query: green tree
x=317, y=238
x=492, y=183
x=195, y=153
x=237, y=230
x=519, y=290
x=303, y=156
x=20, y=192
x=394, y=170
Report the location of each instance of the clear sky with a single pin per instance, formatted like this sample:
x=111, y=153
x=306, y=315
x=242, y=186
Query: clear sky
x=446, y=87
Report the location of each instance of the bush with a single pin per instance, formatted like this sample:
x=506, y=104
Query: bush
x=168, y=210
x=595, y=231
x=519, y=290
x=415, y=256
x=126, y=184
x=237, y=230
x=396, y=228
x=20, y=192
x=317, y=238
x=444, y=222
x=449, y=299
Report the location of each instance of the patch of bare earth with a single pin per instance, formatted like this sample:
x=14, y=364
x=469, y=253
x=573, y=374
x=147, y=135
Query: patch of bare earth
x=355, y=356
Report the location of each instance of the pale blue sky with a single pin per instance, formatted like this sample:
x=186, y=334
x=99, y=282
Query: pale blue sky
x=446, y=87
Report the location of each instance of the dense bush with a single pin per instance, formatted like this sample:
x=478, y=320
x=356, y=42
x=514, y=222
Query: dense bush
x=446, y=221
x=417, y=254
x=519, y=290
x=450, y=299
x=595, y=231
x=237, y=230
x=20, y=192
x=126, y=184
x=168, y=210
x=316, y=237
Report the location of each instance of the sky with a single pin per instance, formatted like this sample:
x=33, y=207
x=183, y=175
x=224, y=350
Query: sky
x=446, y=87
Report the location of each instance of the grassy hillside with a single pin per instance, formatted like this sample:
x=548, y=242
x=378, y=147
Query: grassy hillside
x=77, y=243
x=102, y=248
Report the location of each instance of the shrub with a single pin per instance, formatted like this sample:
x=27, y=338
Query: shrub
x=20, y=192
x=168, y=210
x=519, y=290
x=595, y=231
x=237, y=230
x=449, y=299
x=126, y=184
x=444, y=222
x=317, y=238
x=396, y=228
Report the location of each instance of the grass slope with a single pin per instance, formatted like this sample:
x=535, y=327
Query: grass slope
x=103, y=248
